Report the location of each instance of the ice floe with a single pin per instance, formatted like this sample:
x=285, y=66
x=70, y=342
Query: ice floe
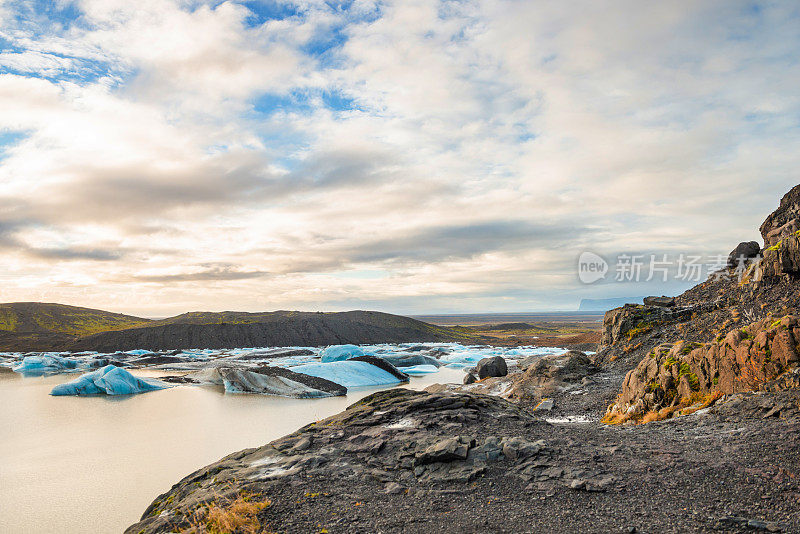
x=109, y=380
x=417, y=370
x=349, y=373
x=378, y=365
x=337, y=353
x=44, y=364
x=269, y=381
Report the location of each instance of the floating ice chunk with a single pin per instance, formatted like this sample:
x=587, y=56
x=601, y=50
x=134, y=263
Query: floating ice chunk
x=138, y=352
x=417, y=370
x=410, y=360
x=44, y=364
x=268, y=381
x=278, y=381
x=349, y=373
x=109, y=380
x=337, y=353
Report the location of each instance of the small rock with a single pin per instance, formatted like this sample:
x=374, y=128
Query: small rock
x=470, y=378
x=519, y=448
x=578, y=483
x=545, y=406
x=302, y=444
x=393, y=488
x=446, y=450
x=553, y=472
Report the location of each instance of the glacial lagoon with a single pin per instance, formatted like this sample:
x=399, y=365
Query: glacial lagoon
x=94, y=463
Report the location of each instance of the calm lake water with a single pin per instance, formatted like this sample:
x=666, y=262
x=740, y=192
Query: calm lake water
x=93, y=464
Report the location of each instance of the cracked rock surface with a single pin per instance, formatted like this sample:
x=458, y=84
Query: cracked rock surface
x=407, y=461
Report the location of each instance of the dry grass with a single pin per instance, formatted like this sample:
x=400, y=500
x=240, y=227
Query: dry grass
x=704, y=402
x=239, y=516
x=687, y=406
x=615, y=418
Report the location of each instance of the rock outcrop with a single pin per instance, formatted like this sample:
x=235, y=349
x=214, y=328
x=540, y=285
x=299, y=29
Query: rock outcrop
x=782, y=221
x=663, y=301
x=632, y=320
x=743, y=253
x=781, y=233
x=398, y=437
x=551, y=374
x=782, y=258
x=683, y=374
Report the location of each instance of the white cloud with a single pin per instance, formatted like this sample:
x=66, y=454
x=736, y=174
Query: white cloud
x=656, y=127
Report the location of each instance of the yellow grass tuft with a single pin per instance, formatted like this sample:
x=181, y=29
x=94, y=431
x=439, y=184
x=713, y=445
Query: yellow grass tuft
x=239, y=516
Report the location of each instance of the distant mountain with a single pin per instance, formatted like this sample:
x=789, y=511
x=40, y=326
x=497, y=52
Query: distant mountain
x=36, y=326
x=607, y=304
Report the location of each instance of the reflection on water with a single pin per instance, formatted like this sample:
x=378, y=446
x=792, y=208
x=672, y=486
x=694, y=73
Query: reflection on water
x=93, y=464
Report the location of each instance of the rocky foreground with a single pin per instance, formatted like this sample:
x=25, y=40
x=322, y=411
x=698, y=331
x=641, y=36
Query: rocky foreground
x=686, y=420
x=404, y=461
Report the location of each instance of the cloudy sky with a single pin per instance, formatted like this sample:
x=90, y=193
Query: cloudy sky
x=161, y=156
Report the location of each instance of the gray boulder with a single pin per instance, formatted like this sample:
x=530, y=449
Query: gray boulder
x=665, y=302
x=552, y=374
x=446, y=450
x=494, y=366
x=746, y=250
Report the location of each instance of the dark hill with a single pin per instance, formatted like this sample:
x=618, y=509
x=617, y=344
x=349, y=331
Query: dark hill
x=229, y=329
x=41, y=328
x=43, y=317
x=46, y=326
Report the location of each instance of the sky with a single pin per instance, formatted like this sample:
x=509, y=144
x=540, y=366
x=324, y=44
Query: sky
x=414, y=157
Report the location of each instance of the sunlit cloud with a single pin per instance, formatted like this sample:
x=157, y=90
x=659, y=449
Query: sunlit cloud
x=416, y=156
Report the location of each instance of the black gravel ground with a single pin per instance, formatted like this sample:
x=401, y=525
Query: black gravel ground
x=732, y=468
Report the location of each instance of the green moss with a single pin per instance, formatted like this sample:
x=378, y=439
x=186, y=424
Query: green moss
x=8, y=320
x=686, y=371
x=745, y=334
x=640, y=329
x=689, y=347
x=776, y=246
x=670, y=361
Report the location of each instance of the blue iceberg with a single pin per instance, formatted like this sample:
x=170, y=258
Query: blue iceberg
x=424, y=369
x=349, y=373
x=109, y=380
x=337, y=353
x=138, y=352
x=44, y=364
